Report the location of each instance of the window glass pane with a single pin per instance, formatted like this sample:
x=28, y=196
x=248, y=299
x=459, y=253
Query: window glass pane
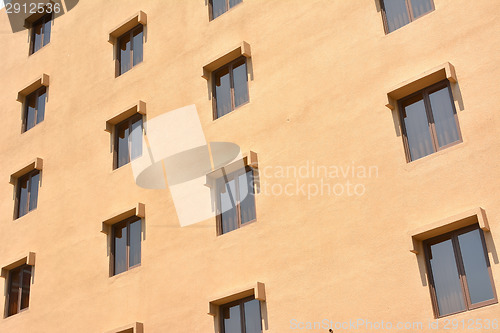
x=30, y=111
x=240, y=83
x=232, y=319
x=135, y=243
x=420, y=7
x=396, y=14
x=417, y=130
x=23, y=196
x=252, y=316
x=446, y=279
x=120, y=248
x=40, y=114
x=137, y=45
x=37, y=37
x=136, y=139
x=46, y=31
x=122, y=145
x=444, y=117
x=25, y=294
x=15, y=283
x=233, y=3
x=124, y=49
x=476, y=268
x=34, y=191
x=228, y=207
x=223, y=92
x=218, y=8
x=246, y=197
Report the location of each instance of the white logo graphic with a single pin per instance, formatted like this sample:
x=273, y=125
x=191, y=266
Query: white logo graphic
x=175, y=153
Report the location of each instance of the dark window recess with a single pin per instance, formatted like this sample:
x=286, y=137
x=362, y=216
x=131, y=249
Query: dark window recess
x=27, y=193
x=242, y=316
x=40, y=33
x=128, y=140
x=34, y=109
x=230, y=89
x=235, y=200
x=130, y=49
x=219, y=7
x=459, y=271
x=18, y=296
x=398, y=13
x=126, y=245
x=429, y=121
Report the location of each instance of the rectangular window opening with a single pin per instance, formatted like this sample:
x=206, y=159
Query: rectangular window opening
x=242, y=316
x=18, y=293
x=130, y=49
x=219, y=7
x=230, y=87
x=235, y=196
x=126, y=245
x=40, y=32
x=459, y=271
x=27, y=193
x=429, y=121
x=34, y=108
x=398, y=13
x=128, y=140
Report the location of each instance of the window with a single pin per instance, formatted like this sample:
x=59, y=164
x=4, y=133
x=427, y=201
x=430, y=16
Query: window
x=18, y=293
x=128, y=140
x=459, y=271
x=27, y=193
x=429, y=121
x=136, y=327
x=128, y=42
x=124, y=232
x=230, y=89
x=129, y=49
x=126, y=245
x=235, y=200
x=40, y=33
x=242, y=316
x=219, y=7
x=398, y=13
x=34, y=108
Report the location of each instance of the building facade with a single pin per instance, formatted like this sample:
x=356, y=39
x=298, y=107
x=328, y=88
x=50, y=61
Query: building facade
x=247, y=166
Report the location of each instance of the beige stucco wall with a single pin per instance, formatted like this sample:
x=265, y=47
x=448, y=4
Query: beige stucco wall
x=320, y=75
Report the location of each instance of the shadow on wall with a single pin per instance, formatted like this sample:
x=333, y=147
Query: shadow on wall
x=457, y=96
x=490, y=245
